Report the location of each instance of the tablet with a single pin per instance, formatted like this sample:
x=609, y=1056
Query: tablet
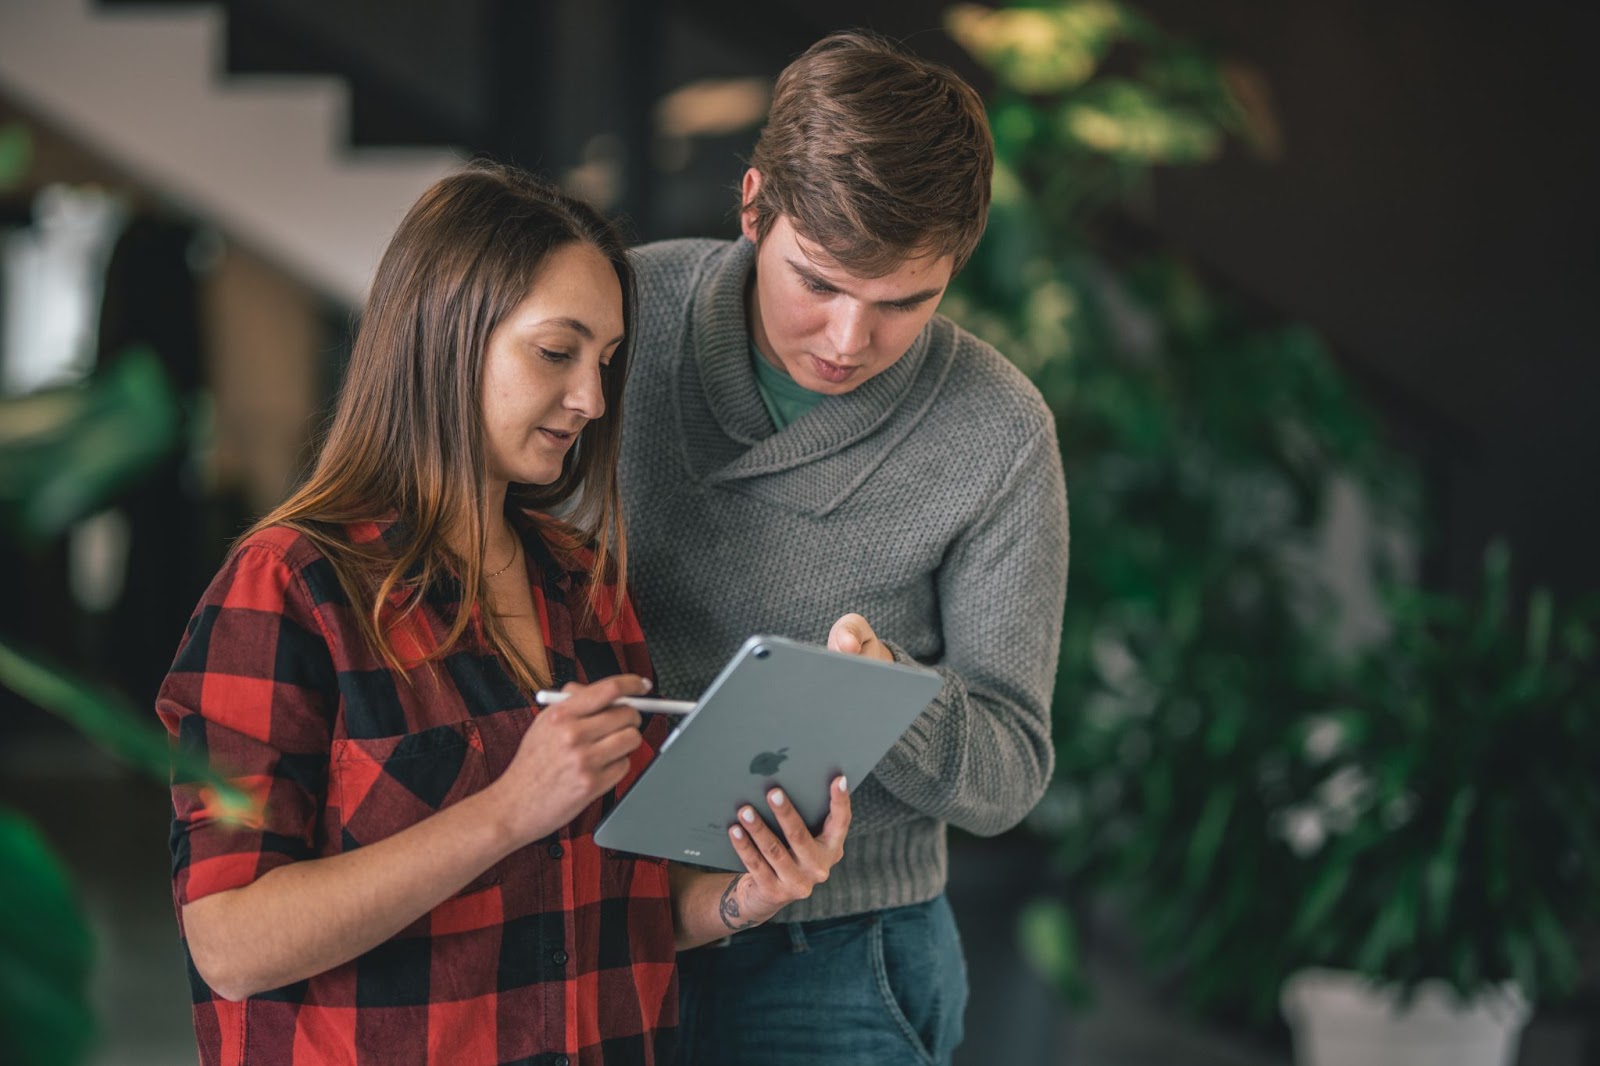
x=781, y=713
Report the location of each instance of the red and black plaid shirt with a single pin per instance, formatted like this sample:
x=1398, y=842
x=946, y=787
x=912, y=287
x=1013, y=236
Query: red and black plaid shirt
x=560, y=953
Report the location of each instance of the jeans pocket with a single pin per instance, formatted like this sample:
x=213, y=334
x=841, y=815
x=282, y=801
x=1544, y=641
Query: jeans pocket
x=896, y=976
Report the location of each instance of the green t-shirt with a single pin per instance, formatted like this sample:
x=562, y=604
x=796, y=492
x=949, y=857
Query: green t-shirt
x=784, y=398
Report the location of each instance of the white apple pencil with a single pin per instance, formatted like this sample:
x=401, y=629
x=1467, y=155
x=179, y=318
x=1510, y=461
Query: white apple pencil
x=643, y=704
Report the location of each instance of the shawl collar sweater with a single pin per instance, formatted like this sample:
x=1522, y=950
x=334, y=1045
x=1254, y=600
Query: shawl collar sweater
x=930, y=499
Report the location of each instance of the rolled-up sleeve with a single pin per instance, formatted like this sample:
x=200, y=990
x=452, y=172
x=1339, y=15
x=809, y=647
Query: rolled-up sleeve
x=252, y=691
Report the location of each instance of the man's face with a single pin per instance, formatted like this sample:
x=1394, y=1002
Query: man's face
x=828, y=329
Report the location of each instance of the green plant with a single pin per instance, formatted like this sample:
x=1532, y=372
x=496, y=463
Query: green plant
x=16, y=153
x=1453, y=830
x=65, y=452
x=1202, y=447
x=63, y=455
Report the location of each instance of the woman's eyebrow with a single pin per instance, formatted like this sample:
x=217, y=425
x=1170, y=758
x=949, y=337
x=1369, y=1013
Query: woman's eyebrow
x=578, y=327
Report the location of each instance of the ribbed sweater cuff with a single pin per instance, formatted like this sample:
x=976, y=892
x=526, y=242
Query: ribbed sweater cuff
x=905, y=865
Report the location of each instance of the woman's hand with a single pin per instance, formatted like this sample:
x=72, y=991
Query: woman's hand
x=574, y=752
x=776, y=874
x=851, y=634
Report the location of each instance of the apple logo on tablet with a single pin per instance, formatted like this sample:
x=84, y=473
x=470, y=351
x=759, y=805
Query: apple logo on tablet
x=768, y=761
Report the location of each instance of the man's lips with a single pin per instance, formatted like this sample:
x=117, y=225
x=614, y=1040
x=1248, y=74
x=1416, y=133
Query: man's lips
x=834, y=373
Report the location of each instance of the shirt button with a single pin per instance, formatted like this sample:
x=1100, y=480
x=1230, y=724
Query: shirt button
x=559, y=957
x=556, y=851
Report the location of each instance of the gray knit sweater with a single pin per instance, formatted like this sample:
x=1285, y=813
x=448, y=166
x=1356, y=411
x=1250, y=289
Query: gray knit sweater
x=930, y=499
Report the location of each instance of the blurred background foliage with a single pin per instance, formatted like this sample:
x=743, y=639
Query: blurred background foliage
x=1254, y=782
x=1207, y=448
x=1453, y=830
x=66, y=454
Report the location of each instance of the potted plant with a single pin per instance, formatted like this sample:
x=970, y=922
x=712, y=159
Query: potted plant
x=1451, y=838
x=1243, y=832
x=1203, y=448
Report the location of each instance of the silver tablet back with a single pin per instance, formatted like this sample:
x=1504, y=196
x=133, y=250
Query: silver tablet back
x=780, y=713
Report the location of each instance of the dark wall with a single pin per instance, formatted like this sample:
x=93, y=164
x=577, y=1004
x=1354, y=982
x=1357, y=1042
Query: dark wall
x=1430, y=212
x=1434, y=214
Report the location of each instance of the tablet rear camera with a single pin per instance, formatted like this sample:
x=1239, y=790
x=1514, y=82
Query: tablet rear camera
x=761, y=651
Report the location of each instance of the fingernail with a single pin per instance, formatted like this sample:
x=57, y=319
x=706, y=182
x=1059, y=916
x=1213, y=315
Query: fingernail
x=775, y=797
x=748, y=814
x=844, y=786
x=738, y=834
x=648, y=684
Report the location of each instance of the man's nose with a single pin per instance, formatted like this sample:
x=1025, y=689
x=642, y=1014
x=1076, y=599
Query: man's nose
x=850, y=329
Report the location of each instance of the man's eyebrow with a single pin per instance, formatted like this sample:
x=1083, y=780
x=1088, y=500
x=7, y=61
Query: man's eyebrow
x=915, y=298
x=580, y=328
x=901, y=301
x=809, y=274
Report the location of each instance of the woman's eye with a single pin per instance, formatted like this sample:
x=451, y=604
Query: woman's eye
x=555, y=356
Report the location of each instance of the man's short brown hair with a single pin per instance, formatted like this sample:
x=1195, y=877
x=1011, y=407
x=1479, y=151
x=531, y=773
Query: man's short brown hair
x=875, y=155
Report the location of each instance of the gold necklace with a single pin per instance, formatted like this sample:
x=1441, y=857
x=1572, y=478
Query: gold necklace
x=516, y=546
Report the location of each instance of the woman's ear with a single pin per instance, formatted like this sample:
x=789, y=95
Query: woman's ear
x=748, y=188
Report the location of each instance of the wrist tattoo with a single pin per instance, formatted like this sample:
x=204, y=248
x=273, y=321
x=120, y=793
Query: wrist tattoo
x=728, y=907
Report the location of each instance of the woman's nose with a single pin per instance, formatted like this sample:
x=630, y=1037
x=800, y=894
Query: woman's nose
x=587, y=395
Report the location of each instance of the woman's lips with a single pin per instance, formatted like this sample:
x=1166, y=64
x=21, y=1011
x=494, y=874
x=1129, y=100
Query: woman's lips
x=559, y=437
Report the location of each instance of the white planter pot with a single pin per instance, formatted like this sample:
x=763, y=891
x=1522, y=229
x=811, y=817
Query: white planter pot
x=1339, y=1019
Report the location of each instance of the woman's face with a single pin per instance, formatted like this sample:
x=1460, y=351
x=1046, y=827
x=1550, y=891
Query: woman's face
x=544, y=364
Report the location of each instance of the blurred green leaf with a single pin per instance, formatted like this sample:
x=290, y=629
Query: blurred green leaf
x=1047, y=937
x=1208, y=832
x=45, y=954
x=65, y=453
x=1129, y=121
x=1540, y=612
x=1326, y=891
x=16, y=154
x=107, y=718
x=1038, y=49
x=1444, y=866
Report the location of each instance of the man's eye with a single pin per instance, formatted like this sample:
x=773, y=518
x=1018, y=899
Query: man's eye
x=819, y=287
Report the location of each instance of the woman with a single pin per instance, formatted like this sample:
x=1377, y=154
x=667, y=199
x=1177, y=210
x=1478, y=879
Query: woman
x=419, y=881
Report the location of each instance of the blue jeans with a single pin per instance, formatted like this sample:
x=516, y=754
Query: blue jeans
x=886, y=988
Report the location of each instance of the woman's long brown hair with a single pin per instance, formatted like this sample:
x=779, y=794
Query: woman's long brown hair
x=406, y=440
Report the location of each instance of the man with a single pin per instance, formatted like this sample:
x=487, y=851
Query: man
x=806, y=439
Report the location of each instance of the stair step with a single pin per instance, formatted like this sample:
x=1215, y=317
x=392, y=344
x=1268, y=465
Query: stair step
x=264, y=156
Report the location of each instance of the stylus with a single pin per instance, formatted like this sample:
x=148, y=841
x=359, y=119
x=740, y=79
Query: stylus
x=643, y=704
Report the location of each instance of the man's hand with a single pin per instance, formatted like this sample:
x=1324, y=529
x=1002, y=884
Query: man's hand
x=852, y=635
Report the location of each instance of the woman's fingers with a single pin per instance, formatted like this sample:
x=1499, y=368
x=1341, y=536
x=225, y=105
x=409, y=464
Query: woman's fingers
x=587, y=699
x=749, y=852
x=809, y=854
x=837, y=825
x=770, y=844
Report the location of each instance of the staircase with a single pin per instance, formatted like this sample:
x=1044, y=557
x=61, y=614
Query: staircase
x=265, y=158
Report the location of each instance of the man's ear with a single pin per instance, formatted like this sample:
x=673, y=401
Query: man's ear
x=747, y=195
